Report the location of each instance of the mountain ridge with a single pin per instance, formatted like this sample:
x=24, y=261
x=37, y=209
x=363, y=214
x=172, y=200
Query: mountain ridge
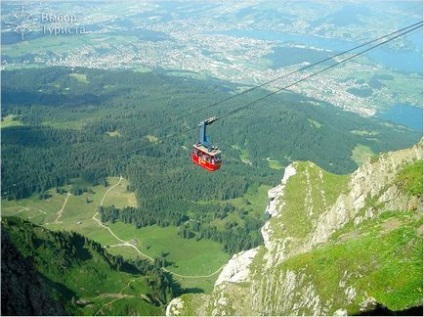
x=46, y=272
x=19, y=275
x=319, y=246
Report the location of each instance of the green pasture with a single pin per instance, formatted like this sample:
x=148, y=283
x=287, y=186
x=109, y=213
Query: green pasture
x=82, y=78
x=244, y=154
x=114, y=134
x=361, y=153
x=10, y=121
x=315, y=124
x=187, y=257
x=78, y=212
x=33, y=209
x=274, y=164
x=254, y=200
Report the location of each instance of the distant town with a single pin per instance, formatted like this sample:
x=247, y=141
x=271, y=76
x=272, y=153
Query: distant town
x=200, y=47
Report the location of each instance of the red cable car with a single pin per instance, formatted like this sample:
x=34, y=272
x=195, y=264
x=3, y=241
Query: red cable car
x=204, y=153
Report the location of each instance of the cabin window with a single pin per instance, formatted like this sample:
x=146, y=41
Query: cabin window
x=217, y=157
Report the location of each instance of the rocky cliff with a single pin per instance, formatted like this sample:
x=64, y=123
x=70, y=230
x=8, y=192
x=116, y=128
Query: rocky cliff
x=334, y=244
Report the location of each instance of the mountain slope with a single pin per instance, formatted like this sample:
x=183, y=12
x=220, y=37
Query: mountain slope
x=56, y=273
x=333, y=245
x=24, y=292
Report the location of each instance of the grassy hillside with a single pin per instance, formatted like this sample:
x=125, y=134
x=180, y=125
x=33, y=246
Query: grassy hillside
x=24, y=292
x=334, y=245
x=410, y=179
x=371, y=261
x=381, y=258
x=82, y=276
x=308, y=193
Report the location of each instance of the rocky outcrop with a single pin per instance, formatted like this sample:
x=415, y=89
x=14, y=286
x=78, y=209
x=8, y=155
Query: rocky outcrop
x=373, y=181
x=237, y=269
x=307, y=211
x=274, y=209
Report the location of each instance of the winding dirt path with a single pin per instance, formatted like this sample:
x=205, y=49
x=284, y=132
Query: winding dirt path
x=128, y=244
x=117, y=296
x=60, y=211
x=100, y=224
x=194, y=276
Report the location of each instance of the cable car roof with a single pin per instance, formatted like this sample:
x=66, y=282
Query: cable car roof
x=203, y=149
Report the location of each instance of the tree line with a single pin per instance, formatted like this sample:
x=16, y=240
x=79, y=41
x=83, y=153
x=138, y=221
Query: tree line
x=234, y=236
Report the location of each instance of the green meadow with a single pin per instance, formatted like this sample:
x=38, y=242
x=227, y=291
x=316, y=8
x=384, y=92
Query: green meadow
x=196, y=264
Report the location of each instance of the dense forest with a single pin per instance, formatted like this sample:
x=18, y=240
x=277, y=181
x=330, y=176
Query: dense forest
x=232, y=236
x=62, y=262
x=91, y=123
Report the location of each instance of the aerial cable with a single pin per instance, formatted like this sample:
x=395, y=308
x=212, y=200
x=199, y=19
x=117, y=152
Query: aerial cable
x=405, y=30
x=290, y=74
x=417, y=26
x=387, y=38
x=151, y=131
x=398, y=33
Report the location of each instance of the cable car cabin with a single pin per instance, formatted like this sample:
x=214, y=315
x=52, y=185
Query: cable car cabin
x=204, y=153
x=205, y=158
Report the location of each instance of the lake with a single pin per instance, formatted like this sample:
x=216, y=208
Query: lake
x=410, y=61
x=406, y=115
